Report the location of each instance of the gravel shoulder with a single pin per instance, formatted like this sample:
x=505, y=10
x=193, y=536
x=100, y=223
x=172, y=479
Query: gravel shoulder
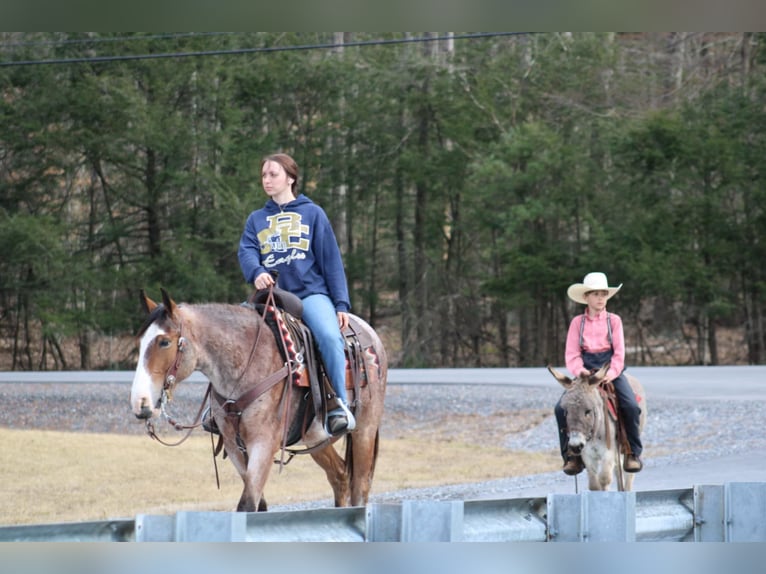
x=693, y=434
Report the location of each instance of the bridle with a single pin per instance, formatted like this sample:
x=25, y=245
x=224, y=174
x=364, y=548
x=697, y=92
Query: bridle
x=168, y=383
x=232, y=407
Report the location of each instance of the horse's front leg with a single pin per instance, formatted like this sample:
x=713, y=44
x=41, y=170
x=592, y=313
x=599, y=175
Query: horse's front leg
x=335, y=468
x=246, y=502
x=258, y=466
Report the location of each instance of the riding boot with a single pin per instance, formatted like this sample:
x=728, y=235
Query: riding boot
x=632, y=463
x=208, y=423
x=573, y=465
x=340, y=419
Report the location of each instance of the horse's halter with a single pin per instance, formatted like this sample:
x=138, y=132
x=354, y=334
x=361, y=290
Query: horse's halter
x=171, y=375
x=168, y=384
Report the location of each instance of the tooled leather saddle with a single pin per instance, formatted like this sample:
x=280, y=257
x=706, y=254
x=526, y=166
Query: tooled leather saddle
x=297, y=345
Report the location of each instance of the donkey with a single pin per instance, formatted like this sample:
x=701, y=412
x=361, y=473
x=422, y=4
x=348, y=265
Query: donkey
x=592, y=427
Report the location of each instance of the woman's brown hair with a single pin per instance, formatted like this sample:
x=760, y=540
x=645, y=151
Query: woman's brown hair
x=288, y=164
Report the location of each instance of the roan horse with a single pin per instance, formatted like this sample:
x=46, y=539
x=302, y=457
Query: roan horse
x=237, y=351
x=592, y=430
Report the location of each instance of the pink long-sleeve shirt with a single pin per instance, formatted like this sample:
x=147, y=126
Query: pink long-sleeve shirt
x=595, y=340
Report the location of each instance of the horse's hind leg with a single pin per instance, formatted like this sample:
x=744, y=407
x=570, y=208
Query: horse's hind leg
x=363, y=453
x=335, y=469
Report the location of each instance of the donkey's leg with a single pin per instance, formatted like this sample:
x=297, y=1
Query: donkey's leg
x=594, y=483
x=607, y=471
x=335, y=469
x=627, y=478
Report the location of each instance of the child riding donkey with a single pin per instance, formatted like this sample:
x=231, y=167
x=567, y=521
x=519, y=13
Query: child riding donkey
x=595, y=338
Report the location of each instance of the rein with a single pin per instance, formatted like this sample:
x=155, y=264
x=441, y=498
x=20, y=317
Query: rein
x=607, y=392
x=177, y=426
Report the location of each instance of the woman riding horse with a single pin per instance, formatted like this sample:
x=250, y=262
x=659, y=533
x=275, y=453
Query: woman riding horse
x=292, y=235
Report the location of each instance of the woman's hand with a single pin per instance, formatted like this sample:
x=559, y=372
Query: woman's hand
x=342, y=320
x=263, y=281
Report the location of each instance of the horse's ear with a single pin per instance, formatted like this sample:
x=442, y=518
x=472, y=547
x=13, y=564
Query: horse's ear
x=147, y=304
x=170, y=305
x=560, y=377
x=597, y=377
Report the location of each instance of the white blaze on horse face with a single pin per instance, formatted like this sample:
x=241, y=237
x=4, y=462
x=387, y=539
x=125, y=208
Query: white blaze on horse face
x=145, y=392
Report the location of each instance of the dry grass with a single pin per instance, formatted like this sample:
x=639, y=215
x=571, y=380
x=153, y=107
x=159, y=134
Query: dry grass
x=51, y=477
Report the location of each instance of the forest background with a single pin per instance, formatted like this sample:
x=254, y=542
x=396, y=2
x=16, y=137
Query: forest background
x=470, y=178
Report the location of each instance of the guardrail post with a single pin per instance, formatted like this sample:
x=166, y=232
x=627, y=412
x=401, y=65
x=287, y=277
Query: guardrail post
x=708, y=513
x=154, y=528
x=592, y=517
x=428, y=521
x=384, y=522
x=210, y=526
x=745, y=509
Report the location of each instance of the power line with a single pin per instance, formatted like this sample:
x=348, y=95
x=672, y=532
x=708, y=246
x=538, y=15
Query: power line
x=239, y=51
x=101, y=39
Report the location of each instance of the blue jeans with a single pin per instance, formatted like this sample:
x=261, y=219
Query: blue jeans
x=320, y=316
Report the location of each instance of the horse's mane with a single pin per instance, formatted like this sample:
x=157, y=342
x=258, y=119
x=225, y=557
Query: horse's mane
x=159, y=312
x=155, y=314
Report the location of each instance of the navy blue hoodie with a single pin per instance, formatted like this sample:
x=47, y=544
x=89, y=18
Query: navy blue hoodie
x=296, y=240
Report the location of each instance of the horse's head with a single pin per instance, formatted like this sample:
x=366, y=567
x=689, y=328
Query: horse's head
x=163, y=358
x=583, y=406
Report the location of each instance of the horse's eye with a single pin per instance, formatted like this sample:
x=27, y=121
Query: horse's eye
x=164, y=344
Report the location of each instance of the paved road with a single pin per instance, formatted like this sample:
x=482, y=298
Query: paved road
x=742, y=382
x=745, y=382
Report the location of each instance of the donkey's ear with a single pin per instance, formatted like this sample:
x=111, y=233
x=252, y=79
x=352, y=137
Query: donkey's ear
x=147, y=304
x=170, y=305
x=565, y=381
x=597, y=377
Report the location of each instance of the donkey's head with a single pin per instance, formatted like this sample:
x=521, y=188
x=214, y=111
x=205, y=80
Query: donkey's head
x=583, y=406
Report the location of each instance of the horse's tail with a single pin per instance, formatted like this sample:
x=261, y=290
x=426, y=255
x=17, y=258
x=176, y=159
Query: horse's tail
x=349, y=462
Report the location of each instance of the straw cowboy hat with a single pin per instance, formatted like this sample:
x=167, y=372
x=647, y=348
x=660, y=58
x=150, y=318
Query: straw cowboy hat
x=591, y=282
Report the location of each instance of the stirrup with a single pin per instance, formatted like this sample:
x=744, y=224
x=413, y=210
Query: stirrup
x=208, y=423
x=340, y=419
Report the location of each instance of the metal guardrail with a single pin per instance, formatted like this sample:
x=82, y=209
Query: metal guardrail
x=732, y=512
